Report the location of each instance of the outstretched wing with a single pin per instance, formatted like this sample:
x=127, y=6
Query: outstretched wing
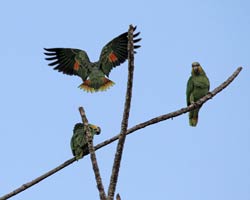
x=69, y=61
x=116, y=52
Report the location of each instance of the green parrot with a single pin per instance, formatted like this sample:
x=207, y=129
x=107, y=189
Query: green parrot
x=78, y=142
x=197, y=87
x=94, y=74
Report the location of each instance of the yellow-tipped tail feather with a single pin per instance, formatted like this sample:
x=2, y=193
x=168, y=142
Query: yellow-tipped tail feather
x=193, y=121
x=88, y=88
x=193, y=117
x=107, y=84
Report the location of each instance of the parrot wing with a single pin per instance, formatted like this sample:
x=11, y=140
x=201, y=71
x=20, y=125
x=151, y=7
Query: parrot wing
x=78, y=143
x=190, y=87
x=69, y=61
x=116, y=52
x=202, y=82
x=72, y=145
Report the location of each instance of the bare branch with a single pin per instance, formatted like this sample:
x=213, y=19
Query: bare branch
x=124, y=124
x=118, y=197
x=129, y=131
x=176, y=113
x=38, y=179
x=93, y=156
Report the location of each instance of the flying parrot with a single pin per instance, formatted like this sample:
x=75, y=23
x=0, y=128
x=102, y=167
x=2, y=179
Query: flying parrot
x=197, y=87
x=78, y=142
x=94, y=74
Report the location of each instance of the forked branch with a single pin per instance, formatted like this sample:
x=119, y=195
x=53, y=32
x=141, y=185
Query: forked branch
x=129, y=131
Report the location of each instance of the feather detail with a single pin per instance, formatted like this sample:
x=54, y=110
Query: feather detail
x=193, y=121
x=107, y=84
x=87, y=85
x=112, y=57
x=76, y=66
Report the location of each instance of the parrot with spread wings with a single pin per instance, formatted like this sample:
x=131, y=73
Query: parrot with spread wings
x=78, y=142
x=94, y=74
x=197, y=87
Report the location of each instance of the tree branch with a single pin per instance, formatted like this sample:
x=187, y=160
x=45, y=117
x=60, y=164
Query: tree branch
x=129, y=131
x=124, y=124
x=118, y=197
x=93, y=156
x=38, y=179
x=176, y=113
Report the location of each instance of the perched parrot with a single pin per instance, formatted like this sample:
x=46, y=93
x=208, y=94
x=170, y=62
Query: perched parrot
x=197, y=87
x=94, y=74
x=78, y=142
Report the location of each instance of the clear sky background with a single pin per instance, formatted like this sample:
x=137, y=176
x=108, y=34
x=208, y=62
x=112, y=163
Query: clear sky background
x=169, y=160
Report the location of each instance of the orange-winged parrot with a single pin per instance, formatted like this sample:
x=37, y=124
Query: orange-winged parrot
x=197, y=87
x=78, y=142
x=94, y=74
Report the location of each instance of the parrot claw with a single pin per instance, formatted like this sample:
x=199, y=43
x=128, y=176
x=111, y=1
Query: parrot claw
x=211, y=95
x=195, y=104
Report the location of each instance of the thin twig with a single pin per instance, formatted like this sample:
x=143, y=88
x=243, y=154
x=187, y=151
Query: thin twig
x=93, y=156
x=124, y=124
x=118, y=197
x=129, y=131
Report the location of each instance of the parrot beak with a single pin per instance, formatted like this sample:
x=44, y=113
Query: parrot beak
x=97, y=129
x=195, y=67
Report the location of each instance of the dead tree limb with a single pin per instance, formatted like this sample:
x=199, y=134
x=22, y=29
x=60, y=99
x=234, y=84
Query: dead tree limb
x=124, y=124
x=93, y=155
x=129, y=131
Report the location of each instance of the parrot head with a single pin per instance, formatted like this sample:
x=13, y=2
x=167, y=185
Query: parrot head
x=95, y=130
x=196, y=68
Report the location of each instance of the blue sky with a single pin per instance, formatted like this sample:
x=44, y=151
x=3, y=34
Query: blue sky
x=170, y=160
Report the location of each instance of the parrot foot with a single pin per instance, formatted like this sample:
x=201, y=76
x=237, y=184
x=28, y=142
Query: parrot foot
x=211, y=95
x=196, y=105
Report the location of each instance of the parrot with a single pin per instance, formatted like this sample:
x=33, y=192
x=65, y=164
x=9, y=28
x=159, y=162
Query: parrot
x=78, y=143
x=197, y=87
x=94, y=75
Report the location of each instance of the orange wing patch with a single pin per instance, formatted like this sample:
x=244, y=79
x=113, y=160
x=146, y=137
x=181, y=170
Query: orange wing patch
x=76, y=66
x=112, y=57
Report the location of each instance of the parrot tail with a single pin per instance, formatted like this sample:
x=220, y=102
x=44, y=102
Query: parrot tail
x=193, y=117
x=87, y=85
x=106, y=84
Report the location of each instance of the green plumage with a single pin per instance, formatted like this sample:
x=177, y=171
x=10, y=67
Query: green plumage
x=97, y=78
x=93, y=74
x=197, y=87
x=78, y=142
